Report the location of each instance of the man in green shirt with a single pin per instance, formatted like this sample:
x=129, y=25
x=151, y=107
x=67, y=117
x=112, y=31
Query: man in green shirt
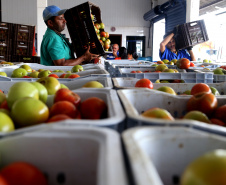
x=55, y=48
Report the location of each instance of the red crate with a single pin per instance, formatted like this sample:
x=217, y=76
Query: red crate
x=26, y=59
x=191, y=34
x=24, y=33
x=81, y=28
x=22, y=48
x=6, y=31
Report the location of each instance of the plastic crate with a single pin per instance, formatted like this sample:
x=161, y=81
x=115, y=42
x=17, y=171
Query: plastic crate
x=22, y=48
x=116, y=116
x=72, y=85
x=24, y=33
x=5, y=48
x=82, y=74
x=25, y=59
x=81, y=29
x=135, y=101
x=191, y=34
x=6, y=30
x=179, y=88
x=69, y=155
x=219, y=78
x=159, y=155
x=191, y=77
x=114, y=69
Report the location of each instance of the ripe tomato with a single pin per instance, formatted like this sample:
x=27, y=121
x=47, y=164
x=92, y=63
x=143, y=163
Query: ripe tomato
x=62, y=76
x=220, y=113
x=204, y=102
x=103, y=34
x=184, y=63
x=133, y=72
x=217, y=122
x=144, y=83
x=22, y=173
x=58, y=117
x=93, y=108
x=200, y=87
x=192, y=64
x=3, y=181
x=1, y=91
x=53, y=75
x=74, y=76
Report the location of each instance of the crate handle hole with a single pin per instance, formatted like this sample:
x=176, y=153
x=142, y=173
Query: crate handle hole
x=61, y=178
x=176, y=179
x=193, y=24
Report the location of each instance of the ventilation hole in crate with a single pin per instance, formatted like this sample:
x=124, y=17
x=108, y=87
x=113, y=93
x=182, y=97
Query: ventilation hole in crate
x=46, y=175
x=175, y=113
x=175, y=179
x=142, y=111
x=61, y=178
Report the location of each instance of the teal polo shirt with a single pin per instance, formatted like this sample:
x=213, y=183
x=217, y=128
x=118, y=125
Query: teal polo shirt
x=55, y=47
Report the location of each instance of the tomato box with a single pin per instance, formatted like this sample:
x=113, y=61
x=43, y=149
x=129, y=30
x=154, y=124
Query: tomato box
x=81, y=28
x=82, y=74
x=24, y=33
x=187, y=77
x=69, y=155
x=179, y=88
x=159, y=155
x=6, y=31
x=136, y=101
x=71, y=84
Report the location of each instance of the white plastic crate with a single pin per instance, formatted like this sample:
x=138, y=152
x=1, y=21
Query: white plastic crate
x=135, y=101
x=159, y=155
x=69, y=155
x=191, y=77
x=72, y=85
x=115, y=117
x=124, y=62
x=126, y=83
x=86, y=73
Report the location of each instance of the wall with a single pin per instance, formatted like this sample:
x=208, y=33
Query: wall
x=125, y=15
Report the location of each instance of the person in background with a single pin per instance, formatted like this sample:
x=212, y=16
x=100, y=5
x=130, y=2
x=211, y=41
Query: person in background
x=168, y=49
x=132, y=55
x=122, y=53
x=115, y=52
x=55, y=48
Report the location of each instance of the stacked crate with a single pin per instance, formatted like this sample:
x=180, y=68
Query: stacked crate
x=6, y=31
x=16, y=40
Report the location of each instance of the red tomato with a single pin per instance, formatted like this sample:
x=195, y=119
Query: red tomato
x=184, y=63
x=74, y=76
x=217, y=122
x=192, y=64
x=58, y=117
x=62, y=76
x=3, y=181
x=26, y=77
x=204, y=102
x=103, y=34
x=1, y=91
x=144, y=83
x=22, y=173
x=133, y=72
x=53, y=75
x=220, y=113
x=200, y=87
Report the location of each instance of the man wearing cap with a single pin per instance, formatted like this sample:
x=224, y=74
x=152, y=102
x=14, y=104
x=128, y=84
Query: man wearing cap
x=55, y=48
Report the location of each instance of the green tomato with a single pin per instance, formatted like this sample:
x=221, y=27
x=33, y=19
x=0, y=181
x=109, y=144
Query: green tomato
x=6, y=123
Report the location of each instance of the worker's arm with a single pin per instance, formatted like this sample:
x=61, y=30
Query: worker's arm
x=87, y=56
x=165, y=42
x=192, y=55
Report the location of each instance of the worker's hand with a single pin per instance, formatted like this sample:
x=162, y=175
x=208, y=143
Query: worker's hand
x=89, y=56
x=175, y=31
x=189, y=48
